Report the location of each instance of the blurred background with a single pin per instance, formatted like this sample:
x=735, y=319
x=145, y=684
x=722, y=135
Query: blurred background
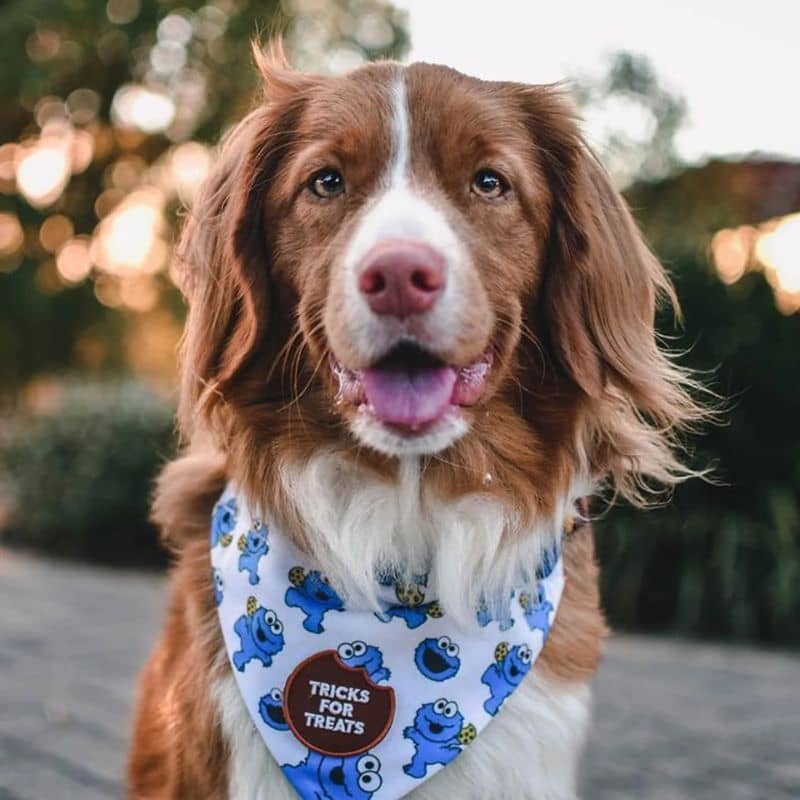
x=109, y=113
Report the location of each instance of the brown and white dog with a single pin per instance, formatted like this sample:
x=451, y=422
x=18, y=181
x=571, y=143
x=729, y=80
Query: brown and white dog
x=420, y=329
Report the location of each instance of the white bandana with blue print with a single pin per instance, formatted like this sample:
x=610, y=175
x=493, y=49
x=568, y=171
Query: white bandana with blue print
x=354, y=704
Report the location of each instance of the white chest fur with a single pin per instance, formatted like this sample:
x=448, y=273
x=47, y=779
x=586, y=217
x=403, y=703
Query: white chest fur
x=529, y=752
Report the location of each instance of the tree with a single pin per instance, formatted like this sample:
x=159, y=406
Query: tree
x=634, y=116
x=108, y=111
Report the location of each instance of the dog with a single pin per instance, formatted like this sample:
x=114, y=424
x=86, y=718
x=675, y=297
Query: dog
x=420, y=333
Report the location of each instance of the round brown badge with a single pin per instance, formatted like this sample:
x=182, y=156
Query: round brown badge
x=334, y=709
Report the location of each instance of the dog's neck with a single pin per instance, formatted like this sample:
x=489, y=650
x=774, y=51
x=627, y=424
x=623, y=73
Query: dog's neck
x=355, y=524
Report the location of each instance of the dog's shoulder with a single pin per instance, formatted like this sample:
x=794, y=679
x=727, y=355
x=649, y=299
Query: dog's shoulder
x=178, y=749
x=185, y=494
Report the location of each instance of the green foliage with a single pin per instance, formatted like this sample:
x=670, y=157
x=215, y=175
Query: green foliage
x=75, y=55
x=80, y=473
x=723, y=558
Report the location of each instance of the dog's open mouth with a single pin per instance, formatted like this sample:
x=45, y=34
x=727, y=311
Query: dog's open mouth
x=410, y=388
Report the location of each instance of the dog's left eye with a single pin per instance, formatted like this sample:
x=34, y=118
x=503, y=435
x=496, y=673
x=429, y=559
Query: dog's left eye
x=327, y=183
x=489, y=184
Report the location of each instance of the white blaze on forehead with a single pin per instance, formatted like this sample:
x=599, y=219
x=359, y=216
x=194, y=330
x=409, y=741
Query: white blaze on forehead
x=399, y=211
x=401, y=137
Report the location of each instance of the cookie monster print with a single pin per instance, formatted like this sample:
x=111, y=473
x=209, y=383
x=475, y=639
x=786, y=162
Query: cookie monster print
x=385, y=577
x=511, y=665
x=393, y=576
x=223, y=521
x=321, y=777
x=548, y=563
x=437, y=659
x=501, y=616
x=366, y=656
x=411, y=605
x=253, y=545
x=260, y=633
x=345, y=702
x=312, y=594
x=536, y=608
x=218, y=585
x=438, y=734
x=270, y=708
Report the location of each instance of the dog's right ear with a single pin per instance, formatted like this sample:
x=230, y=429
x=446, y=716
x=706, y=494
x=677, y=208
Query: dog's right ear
x=223, y=260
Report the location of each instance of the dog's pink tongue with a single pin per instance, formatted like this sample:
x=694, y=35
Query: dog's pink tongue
x=410, y=398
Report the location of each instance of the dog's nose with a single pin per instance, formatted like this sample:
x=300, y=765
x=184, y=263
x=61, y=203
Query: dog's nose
x=402, y=278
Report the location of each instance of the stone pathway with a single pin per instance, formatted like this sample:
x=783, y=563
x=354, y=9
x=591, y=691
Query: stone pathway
x=673, y=720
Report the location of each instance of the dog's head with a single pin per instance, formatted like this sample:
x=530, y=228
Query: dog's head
x=415, y=261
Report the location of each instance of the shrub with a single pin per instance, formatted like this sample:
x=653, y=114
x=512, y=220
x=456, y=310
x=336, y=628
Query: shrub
x=721, y=559
x=79, y=474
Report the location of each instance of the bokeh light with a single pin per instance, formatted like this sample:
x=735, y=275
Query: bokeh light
x=81, y=151
x=42, y=171
x=83, y=105
x=773, y=247
x=731, y=250
x=130, y=239
x=143, y=108
x=12, y=237
x=8, y=171
x=189, y=164
x=73, y=261
x=139, y=292
x=55, y=230
x=779, y=251
x=121, y=12
x=11, y=234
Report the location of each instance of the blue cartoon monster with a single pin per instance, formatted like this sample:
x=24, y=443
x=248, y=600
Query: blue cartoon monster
x=260, y=633
x=536, y=608
x=411, y=605
x=313, y=595
x=438, y=734
x=391, y=576
x=252, y=546
x=501, y=615
x=270, y=707
x=218, y=585
x=510, y=666
x=366, y=656
x=223, y=521
x=437, y=659
x=321, y=777
x=549, y=560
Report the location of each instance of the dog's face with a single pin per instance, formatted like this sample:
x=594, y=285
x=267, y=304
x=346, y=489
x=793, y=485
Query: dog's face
x=407, y=258
x=411, y=239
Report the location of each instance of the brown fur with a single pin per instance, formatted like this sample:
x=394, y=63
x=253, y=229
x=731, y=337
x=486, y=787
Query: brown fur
x=177, y=749
x=578, y=378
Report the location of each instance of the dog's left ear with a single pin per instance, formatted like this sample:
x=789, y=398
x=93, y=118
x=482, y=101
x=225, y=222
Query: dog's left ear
x=601, y=283
x=595, y=311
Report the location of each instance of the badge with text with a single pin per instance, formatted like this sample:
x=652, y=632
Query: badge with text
x=334, y=709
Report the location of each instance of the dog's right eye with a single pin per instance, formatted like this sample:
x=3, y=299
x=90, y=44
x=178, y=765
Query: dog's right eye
x=489, y=184
x=327, y=183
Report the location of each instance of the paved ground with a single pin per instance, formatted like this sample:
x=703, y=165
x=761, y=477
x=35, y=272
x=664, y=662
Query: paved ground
x=674, y=720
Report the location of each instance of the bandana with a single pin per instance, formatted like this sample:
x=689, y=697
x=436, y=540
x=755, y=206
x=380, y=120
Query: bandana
x=354, y=704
